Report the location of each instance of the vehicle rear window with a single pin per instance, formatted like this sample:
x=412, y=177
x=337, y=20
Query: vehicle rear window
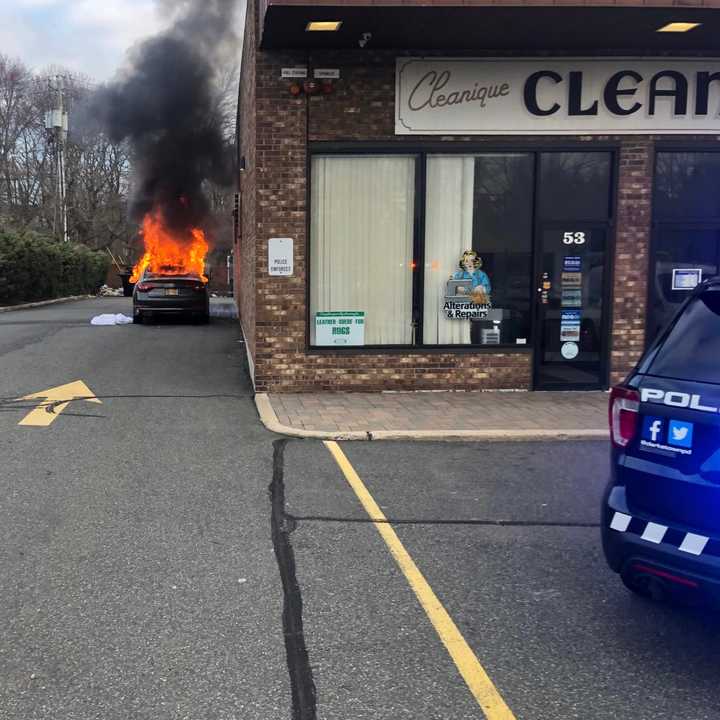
x=692, y=349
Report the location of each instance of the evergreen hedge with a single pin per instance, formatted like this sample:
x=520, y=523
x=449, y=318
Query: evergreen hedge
x=33, y=267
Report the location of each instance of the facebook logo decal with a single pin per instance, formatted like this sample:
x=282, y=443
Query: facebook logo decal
x=680, y=434
x=652, y=428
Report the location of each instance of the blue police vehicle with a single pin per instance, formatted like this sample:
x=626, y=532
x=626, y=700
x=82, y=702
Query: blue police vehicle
x=661, y=509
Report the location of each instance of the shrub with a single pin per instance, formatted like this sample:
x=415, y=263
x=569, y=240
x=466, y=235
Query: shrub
x=33, y=267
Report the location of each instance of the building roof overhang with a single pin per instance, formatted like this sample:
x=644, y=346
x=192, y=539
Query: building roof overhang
x=462, y=26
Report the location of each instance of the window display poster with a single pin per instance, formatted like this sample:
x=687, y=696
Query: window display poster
x=569, y=350
x=571, y=279
x=340, y=328
x=571, y=297
x=572, y=263
x=467, y=291
x=686, y=278
x=570, y=326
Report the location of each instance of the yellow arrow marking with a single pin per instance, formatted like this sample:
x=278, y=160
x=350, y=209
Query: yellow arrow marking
x=55, y=401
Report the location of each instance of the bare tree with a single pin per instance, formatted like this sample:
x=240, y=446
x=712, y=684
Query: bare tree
x=98, y=171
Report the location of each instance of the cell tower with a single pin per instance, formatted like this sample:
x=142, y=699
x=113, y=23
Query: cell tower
x=56, y=123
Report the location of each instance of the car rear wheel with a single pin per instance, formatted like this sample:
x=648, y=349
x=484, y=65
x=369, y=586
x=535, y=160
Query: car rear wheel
x=644, y=585
x=137, y=319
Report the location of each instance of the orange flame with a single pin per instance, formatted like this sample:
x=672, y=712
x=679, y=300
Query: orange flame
x=168, y=253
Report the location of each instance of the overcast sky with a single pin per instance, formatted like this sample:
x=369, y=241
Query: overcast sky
x=87, y=36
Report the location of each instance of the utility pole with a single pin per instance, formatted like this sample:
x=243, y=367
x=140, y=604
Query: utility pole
x=56, y=123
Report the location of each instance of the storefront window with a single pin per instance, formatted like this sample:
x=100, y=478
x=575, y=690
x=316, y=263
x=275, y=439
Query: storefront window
x=361, y=250
x=478, y=241
x=574, y=186
x=463, y=275
x=686, y=185
x=686, y=231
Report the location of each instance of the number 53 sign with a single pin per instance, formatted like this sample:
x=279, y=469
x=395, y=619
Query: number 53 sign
x=574, y=238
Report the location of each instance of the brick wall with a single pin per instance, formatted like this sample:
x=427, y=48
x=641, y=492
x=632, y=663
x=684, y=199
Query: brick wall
x=245, y=253
x=632, y=255
x=362, y=109
x=280, y=198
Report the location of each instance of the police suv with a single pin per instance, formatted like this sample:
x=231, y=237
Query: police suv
x=661, y=510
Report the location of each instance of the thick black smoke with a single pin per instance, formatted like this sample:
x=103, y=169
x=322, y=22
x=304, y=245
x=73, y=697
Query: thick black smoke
x=167, y=106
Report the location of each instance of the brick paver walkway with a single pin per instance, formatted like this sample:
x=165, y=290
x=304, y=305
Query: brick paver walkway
x=423, y=411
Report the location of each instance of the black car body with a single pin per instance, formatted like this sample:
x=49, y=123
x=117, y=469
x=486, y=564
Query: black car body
x=185, y=295
x=661, y=510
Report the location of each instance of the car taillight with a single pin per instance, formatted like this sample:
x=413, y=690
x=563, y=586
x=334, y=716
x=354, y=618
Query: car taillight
x=145, y=287
x=624, y=415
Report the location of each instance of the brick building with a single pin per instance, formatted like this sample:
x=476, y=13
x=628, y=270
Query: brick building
x=469, y=194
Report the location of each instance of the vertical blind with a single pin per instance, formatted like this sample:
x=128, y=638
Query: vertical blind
x=361, y=242
x=448, y=232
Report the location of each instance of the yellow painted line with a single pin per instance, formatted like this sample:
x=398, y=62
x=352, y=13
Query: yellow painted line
x=481, y=686
x=41, y=416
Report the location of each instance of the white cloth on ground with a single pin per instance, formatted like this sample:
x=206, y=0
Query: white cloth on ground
x=111, y=319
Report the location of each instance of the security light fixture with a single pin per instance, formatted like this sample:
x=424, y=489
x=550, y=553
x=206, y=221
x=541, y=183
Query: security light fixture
x=678, y=27
x=323, y=26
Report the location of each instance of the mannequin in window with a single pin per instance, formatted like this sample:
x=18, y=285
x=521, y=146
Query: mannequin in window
x=470, y=264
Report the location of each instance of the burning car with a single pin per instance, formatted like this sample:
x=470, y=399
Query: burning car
x=157, y=294
x=170, y=276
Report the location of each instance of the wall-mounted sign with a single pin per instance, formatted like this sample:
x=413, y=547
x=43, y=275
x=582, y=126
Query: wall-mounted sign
x=294, y=72
x=686, y=279
x=340, y=328
x=539, y=96
x=280, y=256
x=326, y=73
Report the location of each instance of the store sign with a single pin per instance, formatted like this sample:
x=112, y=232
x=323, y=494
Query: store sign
x=340, y=328
x=556, y=97
x=280, y=256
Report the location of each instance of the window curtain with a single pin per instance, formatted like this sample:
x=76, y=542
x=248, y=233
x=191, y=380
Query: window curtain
x=361, y=242
x=448, y=232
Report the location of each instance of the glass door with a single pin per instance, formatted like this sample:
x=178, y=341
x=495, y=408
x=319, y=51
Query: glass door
x=570, y=329
x=574, y=212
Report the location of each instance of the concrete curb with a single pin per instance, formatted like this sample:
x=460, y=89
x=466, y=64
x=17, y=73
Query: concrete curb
x=270, y=421
x=41, y=303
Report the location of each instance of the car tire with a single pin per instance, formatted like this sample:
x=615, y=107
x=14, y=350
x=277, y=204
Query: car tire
x=137, y=319
x=203, y=319
x=645, y=587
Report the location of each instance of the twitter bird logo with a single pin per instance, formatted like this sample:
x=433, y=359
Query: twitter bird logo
x=680, y=434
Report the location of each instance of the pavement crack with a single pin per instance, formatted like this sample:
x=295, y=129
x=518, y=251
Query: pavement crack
x=304, y=706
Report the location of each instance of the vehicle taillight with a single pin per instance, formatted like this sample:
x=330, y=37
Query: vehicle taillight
x=145, y=287
x=624, y=415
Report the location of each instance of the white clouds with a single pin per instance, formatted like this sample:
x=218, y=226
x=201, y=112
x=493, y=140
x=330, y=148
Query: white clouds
x=91, y=37
x=86, y=36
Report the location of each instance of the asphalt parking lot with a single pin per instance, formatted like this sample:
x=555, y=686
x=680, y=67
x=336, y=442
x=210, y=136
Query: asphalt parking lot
x=506, y=536
x=163, y=556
